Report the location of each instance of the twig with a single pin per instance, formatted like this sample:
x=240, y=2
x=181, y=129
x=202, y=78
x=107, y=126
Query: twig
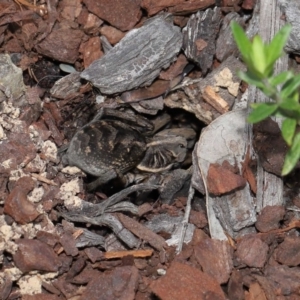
x=185, y=220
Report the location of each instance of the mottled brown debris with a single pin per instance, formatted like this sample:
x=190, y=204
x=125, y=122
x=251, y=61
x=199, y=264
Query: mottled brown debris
x=122, y=14
x=288, y=252
x=269, y=145
x=61, y=45
x=17, y=205
x=142, y=232
x=120, y=284
x=69, y=244
x=175, y=69
x=112, y=34
x=35, y=255
x=198, y=218
x=156, y=89
x=91, y=50
x=41, y=297
x=175, y=6
x=269, y=218
x=252, y=251
x=55, y=132
x=215, y=258
x=71, y=9
x=94, y=254
x=18, y=149
x=235, y=286
x=185, y=282
x=285, y=280
x=221, y=180
x=248, y=4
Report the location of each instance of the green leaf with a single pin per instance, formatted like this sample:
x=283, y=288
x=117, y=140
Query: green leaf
x=288, y=130
x=257, y=55
x=290, y=103
x=275, y=48
x=261, y=111
x=290, y=87
x=281, y=78
x=251, y=79
x=292, y=157
x=241, y=40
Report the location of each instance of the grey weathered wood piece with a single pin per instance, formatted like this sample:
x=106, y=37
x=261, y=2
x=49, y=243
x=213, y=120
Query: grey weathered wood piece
x=202, y=28
x=269, y=186
x=138, y=58
x=291, y=9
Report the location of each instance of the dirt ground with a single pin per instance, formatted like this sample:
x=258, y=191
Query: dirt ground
x=52, y=250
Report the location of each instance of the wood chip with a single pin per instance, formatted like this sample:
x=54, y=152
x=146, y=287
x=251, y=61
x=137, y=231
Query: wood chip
x=215, y=100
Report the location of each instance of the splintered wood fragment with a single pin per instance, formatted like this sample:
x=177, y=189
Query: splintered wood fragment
x=43, y=179
x=134, y=253
x=217, y=102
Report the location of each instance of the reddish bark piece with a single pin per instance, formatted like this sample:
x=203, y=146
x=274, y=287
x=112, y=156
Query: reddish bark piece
x=248, y=173
x=121, y=283
x=92, y=24
x=40, y=297
x=248, y=4
x=198, y=218
x=42, y=129
x=268, y=289
x=85, y=276
x=112, y=34
x=55, y=132
x=270, y=146
x=185, y=282
x=17, y=149
x=178, y=6
x=284, y=279
x=126, y=253
x=252, y=251
x=122, y=14
x=142, y=232
x=76, y=268
x=70, y=9
x=235, y=286
x=48, y=238
x=215, y=258
x=29, y=32
x=32, y=112
x=220, y=180
x=269, y=218
x=175, y=69
x=256, y=292
x=35, y=255
x=94, y=254
x=288, y=252
x=17, y=205
x=200, y=44
x=230, y=3
x=91, y=50
x=69, y=244
x=156, y=89
x=61, y=45
x=185, y=7
x=68, y=289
